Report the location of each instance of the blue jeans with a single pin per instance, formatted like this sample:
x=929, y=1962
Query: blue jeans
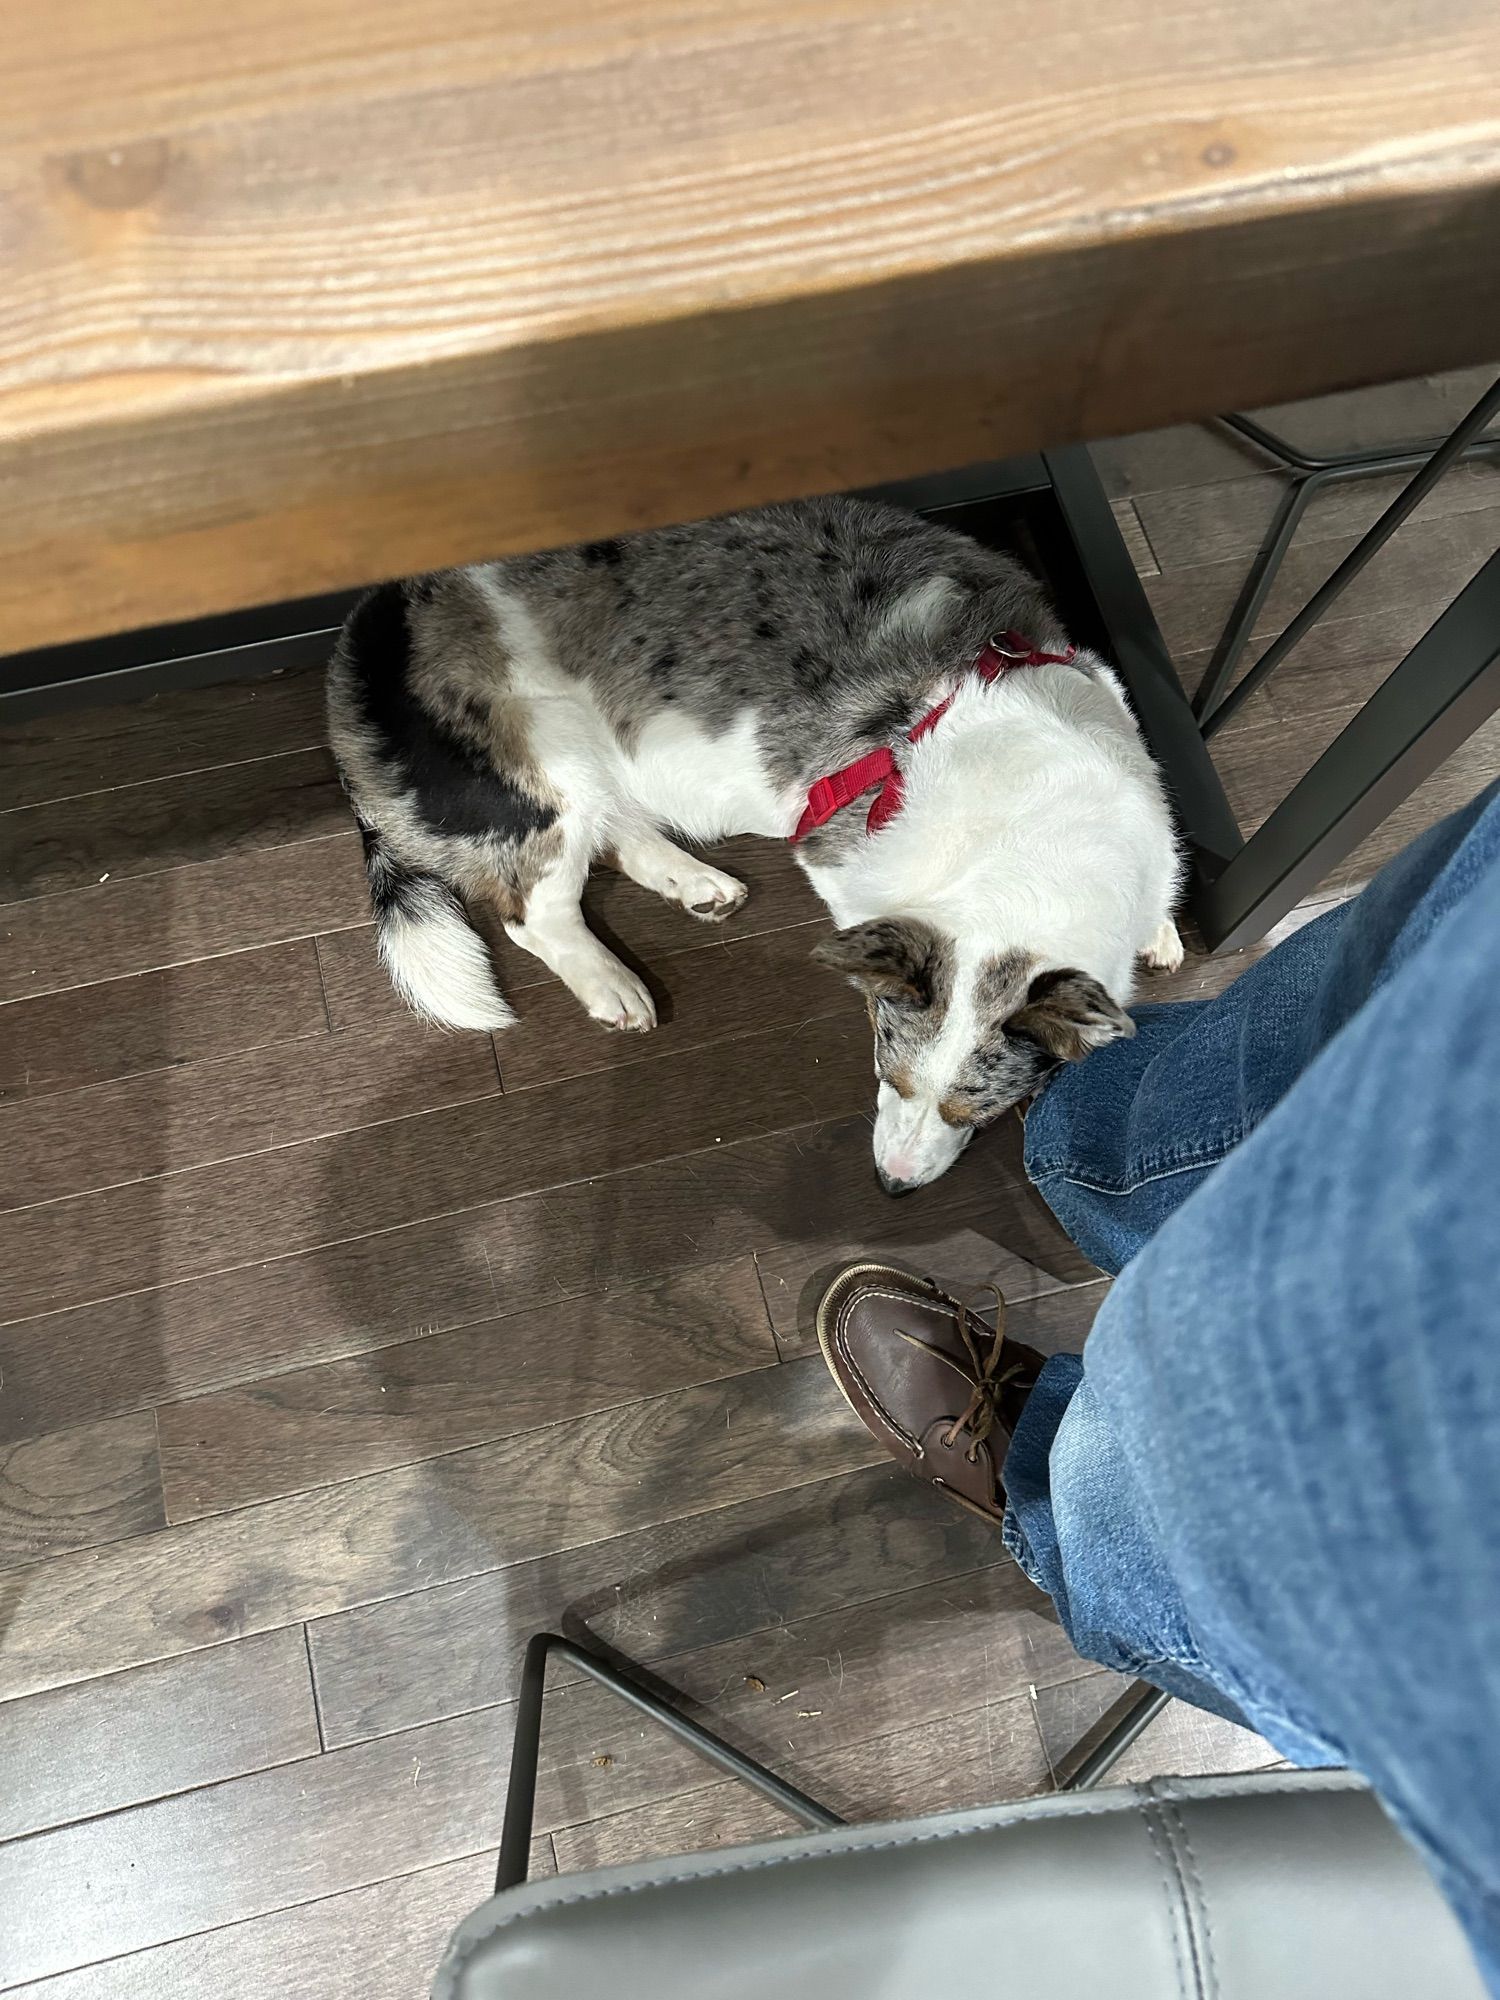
x=1272, y=1485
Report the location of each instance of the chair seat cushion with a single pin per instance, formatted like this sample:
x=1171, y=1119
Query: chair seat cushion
x=1281, y=1886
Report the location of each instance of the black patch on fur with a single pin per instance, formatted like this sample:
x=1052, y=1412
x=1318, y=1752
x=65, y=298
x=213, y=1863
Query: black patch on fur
x=809, y=669
x=393, y=887
x=603, y=555
x=866, y=589
x=887, y=720
x=764, y=629
x=665, y=664
x=456, y=788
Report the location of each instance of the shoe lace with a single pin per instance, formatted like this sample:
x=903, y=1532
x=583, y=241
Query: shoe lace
x=985, y=1350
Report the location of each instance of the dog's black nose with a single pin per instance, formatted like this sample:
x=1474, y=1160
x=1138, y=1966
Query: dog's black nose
x=895, y=1187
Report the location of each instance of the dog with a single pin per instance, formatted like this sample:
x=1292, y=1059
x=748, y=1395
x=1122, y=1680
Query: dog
x=968, y=793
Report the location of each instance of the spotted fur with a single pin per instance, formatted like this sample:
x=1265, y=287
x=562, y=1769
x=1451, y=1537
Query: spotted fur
x=502, y=727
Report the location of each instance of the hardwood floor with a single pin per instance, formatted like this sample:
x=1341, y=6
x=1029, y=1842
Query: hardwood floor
x=337, y=1355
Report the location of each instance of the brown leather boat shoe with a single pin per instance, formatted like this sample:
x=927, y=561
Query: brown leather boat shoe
x=922, y=1371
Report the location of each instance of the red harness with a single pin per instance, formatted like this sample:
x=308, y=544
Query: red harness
x=877, y=770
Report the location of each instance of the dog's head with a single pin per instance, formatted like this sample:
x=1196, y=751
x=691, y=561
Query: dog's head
x=960, y=1035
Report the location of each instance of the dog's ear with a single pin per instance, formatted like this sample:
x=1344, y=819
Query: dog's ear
x=1069, y=1013
x=889, y=958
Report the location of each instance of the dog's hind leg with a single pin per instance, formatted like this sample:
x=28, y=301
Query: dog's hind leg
x=649, y=858
x=551, y=927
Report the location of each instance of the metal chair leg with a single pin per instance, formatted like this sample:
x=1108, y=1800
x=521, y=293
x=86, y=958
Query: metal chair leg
x=1097, y=1752
x=520, y=1797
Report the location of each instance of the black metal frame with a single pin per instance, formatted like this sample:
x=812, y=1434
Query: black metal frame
x=1448, y=684
x=1216, y=702
x=1105, y=1744
x=520, y=1796
x=124, y=666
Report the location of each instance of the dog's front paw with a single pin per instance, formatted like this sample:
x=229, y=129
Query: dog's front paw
x=1165, y=951
x=710, y=895
x=620, y=1000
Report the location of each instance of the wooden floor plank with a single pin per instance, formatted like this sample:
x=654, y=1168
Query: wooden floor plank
x=154, y=1020
x=1406, y=586
x=1259, y=766
x=395, y=1933
x=109, y=1134
x=746, y=986
x=287, y=1835
x=637, y=924
x=799, y=1195
x=796, y=1695
x=952, y=1235
x=130, y=1353
x=1421, y=408
x=1225, y=522
x=1129, y=521
x=273, y=1204
x=122, y=927
x=79, y=1751
x=168, y=823
x=663, y=1589
x=1195, y=455
x=810, y=1184
x=306, y=1557
x=1178, y=455
x=843, y=1683
x=162, y=736
x=449, y=1390
x=985, y=1754
x=77, y=1488
x=1183, y=1741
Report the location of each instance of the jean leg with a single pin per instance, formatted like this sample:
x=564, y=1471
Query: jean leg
x=1281, y=1471
x=1117, y=1143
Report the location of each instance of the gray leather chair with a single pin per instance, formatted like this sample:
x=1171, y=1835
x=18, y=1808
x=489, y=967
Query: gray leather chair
x=1278, y=1886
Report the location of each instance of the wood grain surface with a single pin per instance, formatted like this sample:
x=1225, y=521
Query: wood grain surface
x=125, y=1738
x=76, y=1488
x=395, y=1932
x=157, y=1020
x=658, y=1592
x=449, y=1390
x=101, y=1611
x=330, y=293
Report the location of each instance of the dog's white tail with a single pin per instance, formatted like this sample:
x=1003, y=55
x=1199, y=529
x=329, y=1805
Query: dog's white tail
x=438, y=962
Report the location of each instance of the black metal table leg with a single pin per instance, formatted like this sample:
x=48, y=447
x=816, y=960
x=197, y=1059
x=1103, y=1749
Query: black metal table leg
x=1448, y=684
x=520, y=1797
x=1138, y=650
